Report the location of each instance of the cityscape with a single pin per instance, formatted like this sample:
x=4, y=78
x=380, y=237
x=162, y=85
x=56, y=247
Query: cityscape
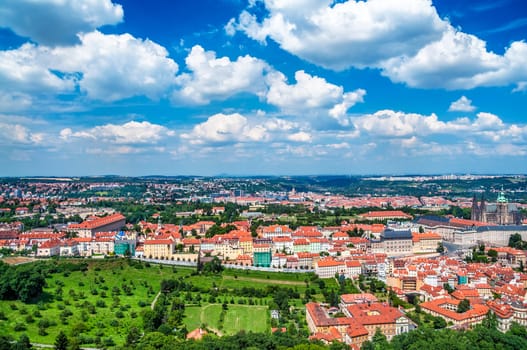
x=263, y=174
x=358, y=271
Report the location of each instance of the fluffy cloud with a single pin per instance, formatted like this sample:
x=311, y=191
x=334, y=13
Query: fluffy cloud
x=405, y=39
x=105, y=67
x=459, y=61
x=346, y=34
x=300, y=136
x=392, y=124
x=225, y=128
x=129, y=133
x=27, y=70
x=212, y=78
x=462, y=105
x=52, y=22
x=311, y=96
x=18, y=134
x=115, y=67
x=389, y=123
x=309, y=92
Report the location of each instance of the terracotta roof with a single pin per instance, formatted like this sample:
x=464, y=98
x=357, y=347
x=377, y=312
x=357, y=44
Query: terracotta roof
x=353, y=263
x=386, y=213
x=92, y=224
x=197, y=334
x=373, y=314
x=329, y=262
x=477, y=310
x=158, y=241
x=358, y=298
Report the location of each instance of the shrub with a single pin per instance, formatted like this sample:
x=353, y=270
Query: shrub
x=19, y=327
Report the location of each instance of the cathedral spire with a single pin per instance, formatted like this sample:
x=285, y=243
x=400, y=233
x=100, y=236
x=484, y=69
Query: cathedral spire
x=475, y=213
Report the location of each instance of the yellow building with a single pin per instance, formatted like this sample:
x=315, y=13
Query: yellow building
x=158, y=248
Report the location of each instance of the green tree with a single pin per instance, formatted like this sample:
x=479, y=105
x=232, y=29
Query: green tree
x=132, y=337
x=463, y=306
x=61, y=341
x=515, y=241
x=493, y=254
x=448, y=288
x=23, y=343
x=74, y=343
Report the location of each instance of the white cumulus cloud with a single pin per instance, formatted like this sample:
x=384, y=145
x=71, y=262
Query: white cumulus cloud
x=311, y=95
x=390, y=124
x=406, y=40
x=345, y=34
x=105, y=67
x=213, y=78
x=225, y=128
x=463, y=104
x=57, y=22
x=18, y=134
x=459, y=61
x=129, y=133
x=300, y=136
x=115, y=67
x=27, y=70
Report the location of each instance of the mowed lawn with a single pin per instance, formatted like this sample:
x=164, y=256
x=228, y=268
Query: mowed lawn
x=237, y=317
x=246, y=317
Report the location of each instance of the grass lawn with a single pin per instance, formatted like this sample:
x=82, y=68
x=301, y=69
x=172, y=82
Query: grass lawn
x=107, y=299
x=237, y=317
x=93, y=303
x=246, y=317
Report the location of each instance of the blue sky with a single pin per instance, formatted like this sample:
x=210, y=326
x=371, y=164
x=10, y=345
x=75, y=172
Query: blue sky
x=264, y=87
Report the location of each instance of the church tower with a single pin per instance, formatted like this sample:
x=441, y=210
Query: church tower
x=483, y=209
x=475, y=213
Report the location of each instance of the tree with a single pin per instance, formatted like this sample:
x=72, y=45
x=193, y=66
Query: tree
x=493, y=254
x=74, y=343
x=439, y=322
x=463, y=306
x=490, y=321
x=214, y=266
x=515, y=241
x=379, y=340
x=61, y=341
x=440, y=248
x=23, y=343
x=448, y=288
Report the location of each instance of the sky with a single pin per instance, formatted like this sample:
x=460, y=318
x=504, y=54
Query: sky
x=262, y=87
